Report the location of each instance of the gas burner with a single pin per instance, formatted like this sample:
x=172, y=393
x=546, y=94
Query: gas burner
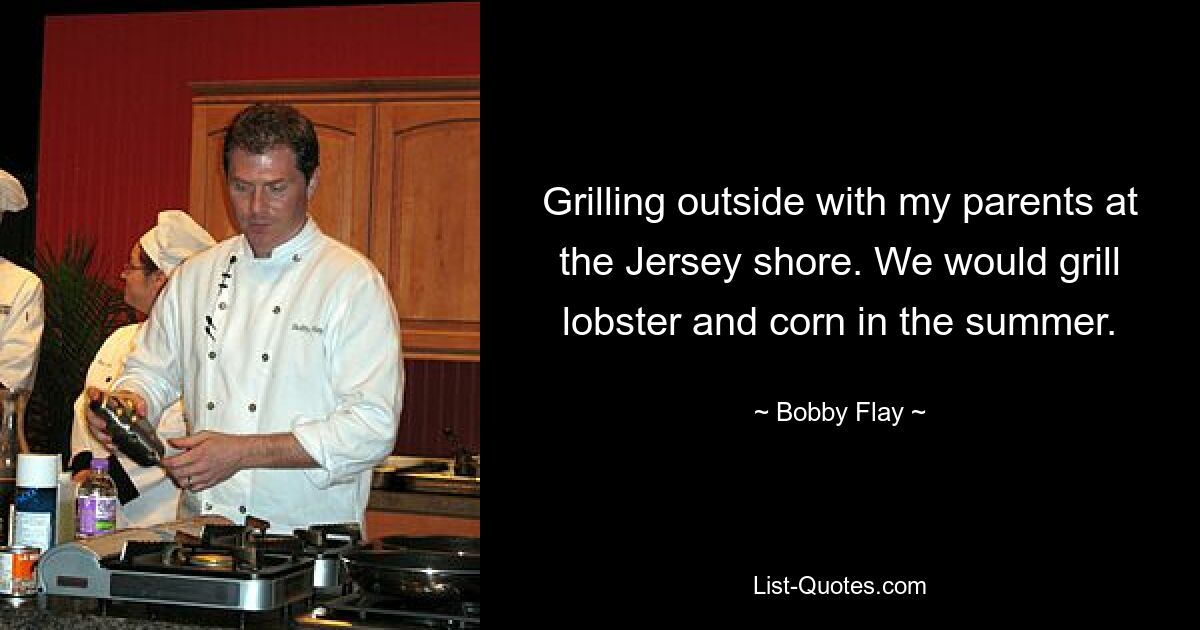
x=211, y=560
x=177, y=558
x=234, y=567
x=242, y=578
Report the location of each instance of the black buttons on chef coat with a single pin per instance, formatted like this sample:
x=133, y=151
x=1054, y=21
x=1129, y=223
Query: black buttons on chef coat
x=212, y=355
x=253, y=407
x=107, y=379
x=295, y=257
x=211, y=406
x=275, y=310
x=265, y=357
x=208, y=506
x=221, y=306
x=242, y=509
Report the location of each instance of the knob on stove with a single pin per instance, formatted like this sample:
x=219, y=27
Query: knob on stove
x=329, y=534
x=313, y=536
x=258, y=524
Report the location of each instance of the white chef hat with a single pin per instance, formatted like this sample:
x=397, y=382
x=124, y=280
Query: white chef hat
x=12, y=196
x=174, y=239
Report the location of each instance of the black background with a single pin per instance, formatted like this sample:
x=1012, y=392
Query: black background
x=1048, y=474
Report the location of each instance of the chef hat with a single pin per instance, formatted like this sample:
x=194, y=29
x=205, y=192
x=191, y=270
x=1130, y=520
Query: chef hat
x=12, y=196
x=174, y=239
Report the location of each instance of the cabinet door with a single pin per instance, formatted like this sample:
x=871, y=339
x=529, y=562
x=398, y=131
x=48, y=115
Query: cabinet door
x=425, y=225
x=342, y=202
x=382, y=523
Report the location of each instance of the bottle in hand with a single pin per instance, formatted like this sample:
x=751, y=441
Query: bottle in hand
x=96, y=503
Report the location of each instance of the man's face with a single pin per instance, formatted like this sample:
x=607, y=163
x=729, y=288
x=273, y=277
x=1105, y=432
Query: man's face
x=141, y=284
x=269, y=196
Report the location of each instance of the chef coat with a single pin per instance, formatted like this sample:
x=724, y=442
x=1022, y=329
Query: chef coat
x=305, y=342
x=21, y=319
x=158, y=496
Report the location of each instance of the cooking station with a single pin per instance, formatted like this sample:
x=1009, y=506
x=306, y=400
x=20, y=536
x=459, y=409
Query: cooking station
x=218, y=574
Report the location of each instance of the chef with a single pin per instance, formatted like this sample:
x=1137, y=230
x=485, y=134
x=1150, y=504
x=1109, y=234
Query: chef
x=148, y=495
x=283, y=342
x=21, y=314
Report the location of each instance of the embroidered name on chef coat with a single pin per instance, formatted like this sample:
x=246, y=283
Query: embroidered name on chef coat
x=308, y=329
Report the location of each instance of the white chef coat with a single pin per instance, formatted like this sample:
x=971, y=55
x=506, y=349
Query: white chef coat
x=158, y=496
x=21, y=319
x=307, y=342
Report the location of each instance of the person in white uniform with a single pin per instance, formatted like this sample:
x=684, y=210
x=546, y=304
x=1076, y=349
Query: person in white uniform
x=283, y=342
x=21, y=314
x=148, y=495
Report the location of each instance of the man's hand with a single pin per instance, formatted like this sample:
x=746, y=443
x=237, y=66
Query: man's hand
x=97, y=424
x=210, y=458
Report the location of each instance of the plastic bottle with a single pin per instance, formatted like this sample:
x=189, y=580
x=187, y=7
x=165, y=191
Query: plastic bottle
x=96, y=503
x=36, y=501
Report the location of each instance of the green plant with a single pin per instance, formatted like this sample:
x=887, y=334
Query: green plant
x=81, y=311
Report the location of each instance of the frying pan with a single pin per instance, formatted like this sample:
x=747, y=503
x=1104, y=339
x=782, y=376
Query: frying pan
x=420, y=577
x=446, y=544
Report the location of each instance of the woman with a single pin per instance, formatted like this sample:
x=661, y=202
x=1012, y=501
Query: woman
x=148, y=496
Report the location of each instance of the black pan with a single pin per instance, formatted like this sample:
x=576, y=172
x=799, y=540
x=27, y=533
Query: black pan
x=421, y=577
x=447, y=544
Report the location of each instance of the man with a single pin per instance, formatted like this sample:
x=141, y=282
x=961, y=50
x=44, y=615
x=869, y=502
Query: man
x=21, y=315
x=283, y=342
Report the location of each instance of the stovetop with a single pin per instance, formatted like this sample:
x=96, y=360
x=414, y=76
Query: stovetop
x=204, y=561
x=245, y=571
x=237, y=567
x=236, y=551
x=244, y=578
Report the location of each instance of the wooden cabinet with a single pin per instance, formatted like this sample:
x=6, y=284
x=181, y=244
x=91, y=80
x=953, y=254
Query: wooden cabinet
x=421, y=514
x=399, y=181
x=381, y=523
x=427, y=159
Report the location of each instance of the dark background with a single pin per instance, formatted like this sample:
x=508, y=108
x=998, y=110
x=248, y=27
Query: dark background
x=1048, y=471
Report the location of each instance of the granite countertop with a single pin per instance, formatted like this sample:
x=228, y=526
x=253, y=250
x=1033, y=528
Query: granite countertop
x=52, y=613
x=53, y=620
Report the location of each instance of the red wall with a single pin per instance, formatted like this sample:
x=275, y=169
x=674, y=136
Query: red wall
x=116, y=127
